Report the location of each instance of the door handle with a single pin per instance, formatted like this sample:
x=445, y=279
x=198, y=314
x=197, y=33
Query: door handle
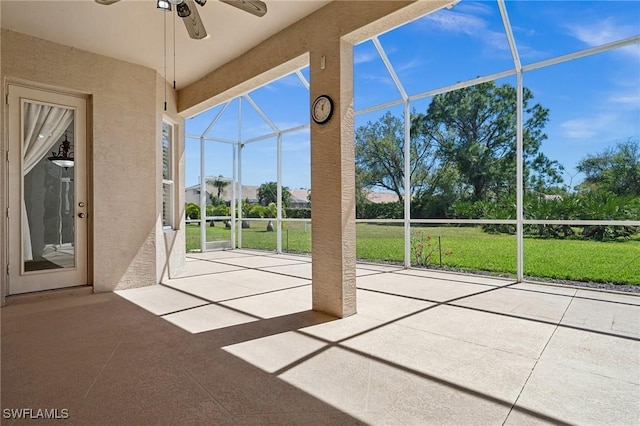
x=81, y=215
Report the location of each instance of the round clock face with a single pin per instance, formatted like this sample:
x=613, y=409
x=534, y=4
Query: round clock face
x=322, y=109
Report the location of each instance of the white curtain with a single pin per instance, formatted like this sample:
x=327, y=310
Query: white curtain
x=43, y=126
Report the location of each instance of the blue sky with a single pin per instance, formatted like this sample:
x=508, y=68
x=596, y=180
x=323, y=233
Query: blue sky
x=594, y=102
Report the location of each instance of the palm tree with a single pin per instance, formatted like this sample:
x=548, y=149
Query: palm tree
x=220, y=184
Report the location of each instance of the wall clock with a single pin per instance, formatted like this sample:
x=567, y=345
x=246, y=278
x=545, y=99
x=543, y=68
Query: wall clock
x=322, y=109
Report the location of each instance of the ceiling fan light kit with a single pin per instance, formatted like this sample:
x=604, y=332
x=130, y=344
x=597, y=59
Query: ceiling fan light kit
x=164, y=5
x=190, y=16
x=183, y=10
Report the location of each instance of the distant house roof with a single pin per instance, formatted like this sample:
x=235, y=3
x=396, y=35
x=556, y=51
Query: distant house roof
x=382, y=197
x=298, y=195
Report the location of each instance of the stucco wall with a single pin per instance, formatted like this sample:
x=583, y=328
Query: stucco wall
x=125, y=105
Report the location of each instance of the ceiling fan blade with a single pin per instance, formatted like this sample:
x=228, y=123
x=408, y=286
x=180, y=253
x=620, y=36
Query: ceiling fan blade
x=255, y=7
x=106, y=2
x=193, y=23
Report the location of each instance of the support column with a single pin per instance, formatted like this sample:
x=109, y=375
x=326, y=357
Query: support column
x=333, y=204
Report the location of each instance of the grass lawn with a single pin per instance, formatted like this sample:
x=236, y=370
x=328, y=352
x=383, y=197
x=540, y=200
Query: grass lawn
x=471, y=249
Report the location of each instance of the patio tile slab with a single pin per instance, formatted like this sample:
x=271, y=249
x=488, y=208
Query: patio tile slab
x=301, y=270
x=219, y=254
x=450, y=276
x=210, y=289
x=160, y=300
x=259, y=261
x=363, y=272
x=321, y=418
x=630, y=298
x=386, y=307
x=207, y=318
x=421, y=400
x=336, y=376
x=379, y=268
x=513, y=335
x=297, y=257
x=610, y=317
x=272, y=353
x=274, y=304
x=495, y=373
x=570, y=396
x=353, y=383
x=524, y=304
x=197, y=267
x=613, y=357
x=260, y=280
x=543, y=288
x=245, y=390
x=344, y=328
x=416, y=286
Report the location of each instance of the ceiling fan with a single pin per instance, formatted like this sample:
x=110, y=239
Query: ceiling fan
x=186, y=9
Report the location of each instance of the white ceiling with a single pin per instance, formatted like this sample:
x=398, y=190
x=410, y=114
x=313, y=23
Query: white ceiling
x=133, y=30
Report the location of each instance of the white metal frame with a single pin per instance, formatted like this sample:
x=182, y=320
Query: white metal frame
x=405, y=100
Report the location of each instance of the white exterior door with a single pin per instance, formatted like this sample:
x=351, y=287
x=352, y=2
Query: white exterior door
x=47, y=190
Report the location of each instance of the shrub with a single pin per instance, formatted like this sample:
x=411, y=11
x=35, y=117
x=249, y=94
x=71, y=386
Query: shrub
x=585, y=206
x=504, y=209
x=221, y=210
x=369, y=210
x=256, y=211
x=192, y=211
x=608, y=206
x=297, y=213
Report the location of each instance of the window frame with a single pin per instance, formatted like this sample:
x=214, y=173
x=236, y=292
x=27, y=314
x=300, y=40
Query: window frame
x=168, y=195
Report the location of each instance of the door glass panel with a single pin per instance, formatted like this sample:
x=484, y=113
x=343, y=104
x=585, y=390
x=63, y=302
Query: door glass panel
x=48, y=202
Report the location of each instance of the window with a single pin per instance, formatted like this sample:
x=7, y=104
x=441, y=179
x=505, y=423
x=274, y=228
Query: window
x=167, y=175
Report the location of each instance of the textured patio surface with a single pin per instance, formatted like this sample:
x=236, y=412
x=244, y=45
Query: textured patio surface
x=234, y=342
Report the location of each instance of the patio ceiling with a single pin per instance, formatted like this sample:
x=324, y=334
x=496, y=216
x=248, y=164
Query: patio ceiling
x=132, y=30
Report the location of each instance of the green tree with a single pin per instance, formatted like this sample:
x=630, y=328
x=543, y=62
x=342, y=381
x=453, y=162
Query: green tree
x=616, y=170
x=475, y=129
x=268, y=193
x=379, y=150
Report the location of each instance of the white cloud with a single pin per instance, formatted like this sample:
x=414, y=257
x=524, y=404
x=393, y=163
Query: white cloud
x=470, y=25
x=362, y=57
x=626, y=99
x=599, y=33
x=587, y=127
x=409, y=65
x=386, y=80
x=456, y=22
x=603, y=32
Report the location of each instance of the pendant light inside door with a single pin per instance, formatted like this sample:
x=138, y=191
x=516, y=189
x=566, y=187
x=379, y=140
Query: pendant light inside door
x=64, y=156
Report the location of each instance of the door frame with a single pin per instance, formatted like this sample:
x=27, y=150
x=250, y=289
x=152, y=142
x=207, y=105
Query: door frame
x=44, y=95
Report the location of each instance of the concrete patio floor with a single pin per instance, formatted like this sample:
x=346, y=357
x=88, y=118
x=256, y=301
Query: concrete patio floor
x=234, y=342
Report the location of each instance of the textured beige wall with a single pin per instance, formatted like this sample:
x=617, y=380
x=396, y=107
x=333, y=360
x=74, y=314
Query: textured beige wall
x=124, y=144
